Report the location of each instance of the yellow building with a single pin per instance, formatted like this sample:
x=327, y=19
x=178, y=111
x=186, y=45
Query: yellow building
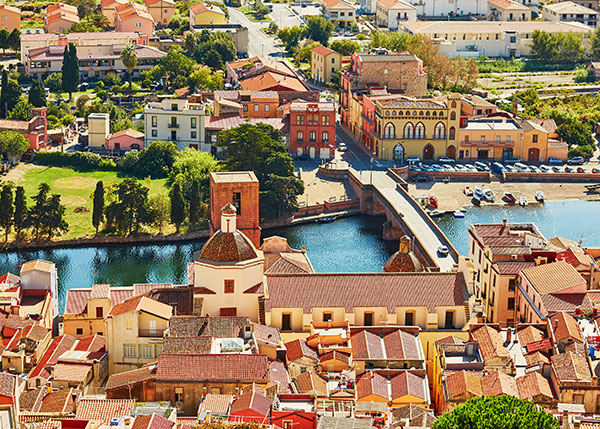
x=206, y=14
x=490, y=139
x=135, y=333
x=324, y=62
x=10, y=18
x=427, y=128
x=161, y=10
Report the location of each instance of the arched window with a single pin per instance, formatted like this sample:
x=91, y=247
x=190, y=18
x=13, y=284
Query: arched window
x=415, y=113
x=427, y=113
x=440, y=131
x=387, y=113
x=452, y=116
x=453, y=104
x=420, y=131
x=393, y=113
x=400, y=113
x=407, y=113
x=409, y=131
x=390, y=131
x=451, y=133
x=434, y=113
x=421, y=113
x=325, y=137
x=441, y=115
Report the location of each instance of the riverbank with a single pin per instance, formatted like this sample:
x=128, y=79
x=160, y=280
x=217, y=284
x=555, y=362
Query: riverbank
x=450, y=196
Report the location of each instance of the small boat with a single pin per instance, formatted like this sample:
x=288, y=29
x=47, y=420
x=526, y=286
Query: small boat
x=489, y=195
x=509, y=198
x=433, y=202
x=523, y=201
x=539, y=196
x=326, y=219
x=468, y=191
x=478, y=192
x=458, y=213
x=475, y=201
x=437, y=213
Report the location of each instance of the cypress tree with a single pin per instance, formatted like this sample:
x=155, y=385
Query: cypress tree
x=177, y=206
x=20, y=216
x=194, y=212
x=4, y=94
x=37, y=94
x=98, y=210
x=70, y=70
x=8, y=208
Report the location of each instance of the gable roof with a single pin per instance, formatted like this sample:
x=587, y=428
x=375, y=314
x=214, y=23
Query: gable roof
x=251, y=401
x=571, y=368
x=103, y=409
x=462, y=382
x=142, y=303
x=530, y=334
x=77, y=299
x=270, y=80
x=152, y=421
x=371, y=383
x=127, y=132
x=222, y=367
x=490, y=341
x=553, y=277
x=203, y=7
x=350, y=290
x=297, y=349
x=323, y=50
x=566, y=327
x=215, y=404
x=398, y=344
x=533, y=385
x=408, y=383
x=310, y=382
x=395, y=4
x=499, y=383
x=131, y=377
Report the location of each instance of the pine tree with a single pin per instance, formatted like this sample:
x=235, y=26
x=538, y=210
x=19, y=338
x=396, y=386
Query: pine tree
x=4, y=94
x=37, y=94
x=98, y=210
x=195, y=200
x=20, y=215
x=54, y=223
x=38, y=211
x=70, y=70
x=8, y=208
x=177, y=206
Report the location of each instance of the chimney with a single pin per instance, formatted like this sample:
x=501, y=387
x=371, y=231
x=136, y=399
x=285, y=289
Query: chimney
x=74, y=397
x=503, y=225
x=508, y=335
x=228, y=218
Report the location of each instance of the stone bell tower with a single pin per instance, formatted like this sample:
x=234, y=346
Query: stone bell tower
x=239, y=188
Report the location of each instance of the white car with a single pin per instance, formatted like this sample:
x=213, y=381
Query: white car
x=342, y=146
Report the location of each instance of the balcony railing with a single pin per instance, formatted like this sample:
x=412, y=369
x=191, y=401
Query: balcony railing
x=150, y=333
x=172, y=125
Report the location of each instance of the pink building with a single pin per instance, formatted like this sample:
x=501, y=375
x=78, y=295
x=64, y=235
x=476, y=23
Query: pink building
x=133, y=17
x=125, y=140
x=60, y=17
x=35, y=130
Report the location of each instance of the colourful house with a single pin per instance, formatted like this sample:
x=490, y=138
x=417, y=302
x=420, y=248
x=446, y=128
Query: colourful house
x=60, y=17
x=10, y=18
x=206, y=14
x=125, y=140
x=108, y=9
x=324, y=62
x=251, y=406
x=161, y=10
x=133, y=17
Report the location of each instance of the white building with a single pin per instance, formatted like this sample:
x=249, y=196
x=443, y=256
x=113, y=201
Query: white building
x=177, y=121
x=98, y=129
x=340, y=12
x=390, y=12
x=508, y=10
x=41, y=275
x=570, y=12
x=444, y=8
x=489, y=38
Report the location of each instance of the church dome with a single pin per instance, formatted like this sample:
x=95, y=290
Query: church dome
x=404, y=260
x=228, y=247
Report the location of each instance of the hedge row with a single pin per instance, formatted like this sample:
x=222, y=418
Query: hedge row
x=77, y=160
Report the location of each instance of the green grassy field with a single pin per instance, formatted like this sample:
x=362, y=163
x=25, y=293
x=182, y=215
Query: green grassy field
x=76, y=189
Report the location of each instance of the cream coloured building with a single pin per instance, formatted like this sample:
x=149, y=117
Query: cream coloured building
x=177, y=121
x=508, y=10
x=134, y=332
x=98, y=129
x=390, y=12
x=568, y=11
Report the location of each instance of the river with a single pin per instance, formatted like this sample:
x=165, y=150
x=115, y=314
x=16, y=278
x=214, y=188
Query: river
x=351, y=244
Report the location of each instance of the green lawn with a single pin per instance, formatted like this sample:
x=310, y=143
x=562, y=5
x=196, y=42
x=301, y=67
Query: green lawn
x=252, y=16
x=76, y=189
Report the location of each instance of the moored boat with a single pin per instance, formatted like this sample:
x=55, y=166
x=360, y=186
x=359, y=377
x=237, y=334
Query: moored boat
x=468, y=191
x=523, y=201
x=539, y=196
x=459, y=214
x=489, y=195
x=509, y=198
x=433, y=202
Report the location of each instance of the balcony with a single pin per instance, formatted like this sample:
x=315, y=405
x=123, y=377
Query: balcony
x=172, y=125
x=150, y=333
x=487, y=143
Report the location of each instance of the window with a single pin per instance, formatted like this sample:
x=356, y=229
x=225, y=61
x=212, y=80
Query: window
x=146, y=351
x=194, y=134
x=498, y=138
x=129, y=351
x=237, y=202
x=409, y=318
x=99, y=312
x=267, y=107
x=154, y=121
x=389, y=132
x=179, y=394
x=440, y=131
x=173, y=121
x=158, y=348
x=129, y=324
x=79, y=331
x=300, y=136
x=420, y=131
x=452, y=116
x=256, y=107
x=154, y=133
x=368, y=318
x=409, y=131
x=174, y=106
x=324, y=120
x=507, y=139
x=312, y=136
x=100, y=333
x=466, y=138
x=245, y=107
x=482, y=139
x=511, y=303
x=300, y=120
x=325, y=137
x=452, y=133
x=578, y=398
x=535, y=138
x=449, y=319
x=511, y=285
x=193, y=122
x=327, y=316
x=229, y=286
x=286, y=322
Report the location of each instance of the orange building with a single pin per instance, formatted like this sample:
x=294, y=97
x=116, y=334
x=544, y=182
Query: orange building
x=133, y=17
x=60, y=17
x=10, y=18
x=239, y=188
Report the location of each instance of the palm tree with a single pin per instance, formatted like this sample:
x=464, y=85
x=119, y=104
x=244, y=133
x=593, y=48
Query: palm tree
x=99, y=20
x=129, y=58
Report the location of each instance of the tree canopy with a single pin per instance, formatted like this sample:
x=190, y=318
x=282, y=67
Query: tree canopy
x=13, y=144
x=319, y=29
x=37, y=94
x=345, y=46
x=155, y=161
x=498, y=412
x=260, y=148
x=130, y=59
x=70, y=70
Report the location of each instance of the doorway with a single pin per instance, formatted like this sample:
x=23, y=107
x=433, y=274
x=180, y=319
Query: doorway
x=428, y=152
x=451, y=152
x=399, y=154
x=286, y=322
x=533, y=155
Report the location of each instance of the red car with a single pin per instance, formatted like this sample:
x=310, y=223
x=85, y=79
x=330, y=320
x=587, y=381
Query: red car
x=581, y=170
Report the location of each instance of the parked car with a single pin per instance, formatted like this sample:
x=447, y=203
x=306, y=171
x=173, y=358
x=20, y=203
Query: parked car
x=422, y=178
x=546, y=169
x=342, y=146
x=436, y=167
x=426, y=167
x=448, y=168
x=512, y=160
x=413, y=160
x=446, y=160
x=521, y=168
x=510, y=168
x=534, y=169
x=462, y=168
x=581, y=170
x=554, y=161
x=414, y=167
x=578, y=160
x=558, y=169
x=471, y=168
x=443, y=251
x=569, y=169
x=481, y=166
x=498, y=168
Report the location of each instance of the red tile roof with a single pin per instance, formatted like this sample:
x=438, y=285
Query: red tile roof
x=389, y=290
x=76, y=302
x=398, y=345
x=223, y=367
x=490, y=341
x=131, y=377
x=10, y=278
x=322, y=50
x=142, y=303
x=103, y=409
x=152, y=421
x=408, y=383
x=571, y=368
x=92, y=343
x=463, y=382
x=251, y=401
x=553, y=277
x=371, y=383
x=311, y=383
x=278, y=376
x=565, y=327
x=57, y=347
x=533, y=385
x=499, y=383
x=297, y=349
x=58, y=402
x=216, y=404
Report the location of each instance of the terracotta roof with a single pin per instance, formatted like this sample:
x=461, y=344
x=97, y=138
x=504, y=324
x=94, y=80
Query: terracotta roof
x=463, y=382
x=10, y=9
x=297, y=349
x=566, y=301
x=451, y=339
x=223, y=367
x=290, y=263
x=58, y=402
x=142, y=303
x=395, y=4
x=72, y=372
x=278, y=376
x=310, y=382
x=529, y=334
x=536, y=358
x=187, y=345
x=216, y=404
x=39, y=265
x=337, y=4
x=549, y=125
x=271, y=81
x=322, y=50
x=76, y=301
x=534, y=385
x=512, y=268
x=553, y=277
x=202, y=7
x=371, y=383
x=490, y=341
x=251, y=401
x=217, y=123
x=408, y=383
x=334, y=355
x=152, y=421
x=398, y=344
x=389, y=290
x=131, y=377
x=565, y=327
x=209, y=326
x=128, y=132
x=508, y=4
x=228, y=247
x=92, y=343
x=575, y=258
x=499, y=383
x=570, y=367
x=31, y=400
x=103, y=409
x=10, y=278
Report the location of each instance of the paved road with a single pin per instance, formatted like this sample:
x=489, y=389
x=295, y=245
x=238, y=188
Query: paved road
x=284, y=17
x=413, y=218
x=258, y=42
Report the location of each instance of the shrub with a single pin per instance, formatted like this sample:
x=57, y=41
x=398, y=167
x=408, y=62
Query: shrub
x=76, y=160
